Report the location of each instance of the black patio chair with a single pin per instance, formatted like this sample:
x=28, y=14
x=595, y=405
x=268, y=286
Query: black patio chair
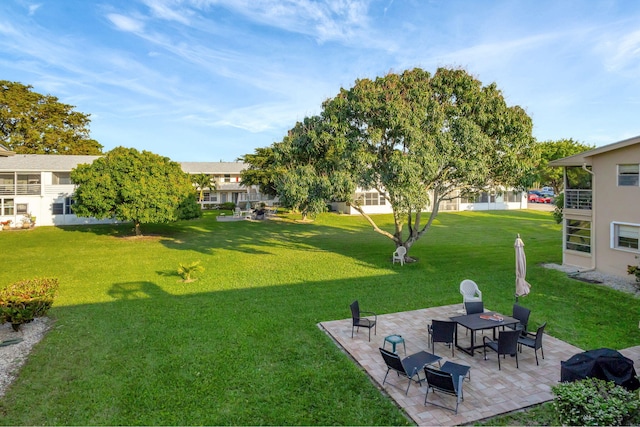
x=507, y=343
x=442, y=331
x=359, y=321
x=522, y=314
x=533, y=341
x=408, y=367
x=474, y=307
x=448, y=379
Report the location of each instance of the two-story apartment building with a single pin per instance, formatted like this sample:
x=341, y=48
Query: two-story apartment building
x=601, y=215
x=504, y=199
x=40, y=185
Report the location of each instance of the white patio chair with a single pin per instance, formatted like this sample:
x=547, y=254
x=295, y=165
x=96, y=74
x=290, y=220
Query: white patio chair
x=399, y=254
x=470, y=292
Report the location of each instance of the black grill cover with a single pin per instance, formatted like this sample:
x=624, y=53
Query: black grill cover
x=603, y=363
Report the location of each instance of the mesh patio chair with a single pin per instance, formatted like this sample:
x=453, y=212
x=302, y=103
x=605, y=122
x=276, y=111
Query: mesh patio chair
x=474, y=307
x=409, y=367
x=448, y=379
x=533, y=341
x=507, y=343
x=359, y=321
x=442, y=331
x=522, y=314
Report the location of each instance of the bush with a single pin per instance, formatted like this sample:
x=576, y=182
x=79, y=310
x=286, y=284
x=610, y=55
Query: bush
x=228, y=206
x=595, y=402
x=559, y=207
x=23, y=301
x=186, y=271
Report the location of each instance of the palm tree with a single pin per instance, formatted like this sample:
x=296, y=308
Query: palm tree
x=202, y=181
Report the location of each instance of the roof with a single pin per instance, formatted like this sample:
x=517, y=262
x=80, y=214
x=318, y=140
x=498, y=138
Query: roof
x=585, y=157
x=65, y=163
x=43, y=162
x=213, y=167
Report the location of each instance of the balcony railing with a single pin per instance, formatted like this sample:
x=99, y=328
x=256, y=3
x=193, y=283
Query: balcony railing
x=19, y=189
x=577, y=199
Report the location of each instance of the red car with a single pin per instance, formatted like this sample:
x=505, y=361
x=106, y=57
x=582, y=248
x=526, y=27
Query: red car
x=538, y=197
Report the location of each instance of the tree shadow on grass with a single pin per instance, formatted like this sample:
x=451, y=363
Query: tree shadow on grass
x=136, y=290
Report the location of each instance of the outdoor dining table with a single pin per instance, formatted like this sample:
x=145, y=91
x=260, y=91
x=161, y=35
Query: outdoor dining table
x=480, y=321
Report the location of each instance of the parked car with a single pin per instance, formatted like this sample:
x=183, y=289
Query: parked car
x=536, y=196
x=548, y=191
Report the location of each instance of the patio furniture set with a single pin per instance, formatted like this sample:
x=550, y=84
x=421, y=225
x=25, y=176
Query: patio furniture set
x=509, y=334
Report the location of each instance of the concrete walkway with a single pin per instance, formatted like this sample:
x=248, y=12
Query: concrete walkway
x=489, y=393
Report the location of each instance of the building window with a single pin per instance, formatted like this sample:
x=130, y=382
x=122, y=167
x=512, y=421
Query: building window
x=63, y=208
x=7, y=183
x=68, y=205
x=578, y=235
x=7, y=207
x=512, y=196
x=22, y=208
x=371, y=199
x=57, y=208
x=628, y=175
x=227, y=178
x=61, y=178
x=625, y=236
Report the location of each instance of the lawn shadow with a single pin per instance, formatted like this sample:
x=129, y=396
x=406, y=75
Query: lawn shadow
x=136, y=290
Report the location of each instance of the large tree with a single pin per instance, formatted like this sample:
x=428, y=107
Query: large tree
x=130, y=185
x=554, y=150
x=312, y=168
x=419, y=140
x=31, y=123
x=261, y=171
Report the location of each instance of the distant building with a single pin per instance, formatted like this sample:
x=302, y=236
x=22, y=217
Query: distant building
x=373, y=202
x=40, y=185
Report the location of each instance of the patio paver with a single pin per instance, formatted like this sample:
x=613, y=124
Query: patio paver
x=489, y=393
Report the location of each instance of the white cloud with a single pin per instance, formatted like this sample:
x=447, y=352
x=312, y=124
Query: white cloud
x=126, y=23
x=163, y=10
x=33, y=8
x=623, y=52
x=328, y=20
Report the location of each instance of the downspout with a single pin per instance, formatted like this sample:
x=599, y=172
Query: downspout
x=593, y=216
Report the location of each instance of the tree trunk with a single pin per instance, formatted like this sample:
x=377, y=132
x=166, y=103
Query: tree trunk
x=138, y=230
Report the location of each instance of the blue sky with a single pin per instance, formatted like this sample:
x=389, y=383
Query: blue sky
x=209, y=80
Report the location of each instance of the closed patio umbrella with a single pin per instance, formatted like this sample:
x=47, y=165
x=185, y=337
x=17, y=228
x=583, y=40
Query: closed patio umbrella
x=522, y=286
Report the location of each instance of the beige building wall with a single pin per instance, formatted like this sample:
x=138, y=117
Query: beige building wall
x=613, y=203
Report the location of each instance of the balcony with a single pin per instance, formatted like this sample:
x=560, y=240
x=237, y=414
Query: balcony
x=577, y=199
x=20, y=189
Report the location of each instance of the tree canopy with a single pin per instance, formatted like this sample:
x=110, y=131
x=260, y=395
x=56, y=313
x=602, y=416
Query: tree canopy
x=31, y=123
x=416, y=138
x=130, y=185
x=261, y=170
x=554, y=150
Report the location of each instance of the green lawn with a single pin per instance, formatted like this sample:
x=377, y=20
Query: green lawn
x=132, y=345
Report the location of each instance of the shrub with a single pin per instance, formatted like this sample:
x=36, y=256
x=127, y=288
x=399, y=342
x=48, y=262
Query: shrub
x=23, y=301
x=559, y=206
x=186, y=271
x=228, y=206
x=595, y=402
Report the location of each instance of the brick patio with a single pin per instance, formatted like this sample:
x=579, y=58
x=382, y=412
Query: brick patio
x=490, y=392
